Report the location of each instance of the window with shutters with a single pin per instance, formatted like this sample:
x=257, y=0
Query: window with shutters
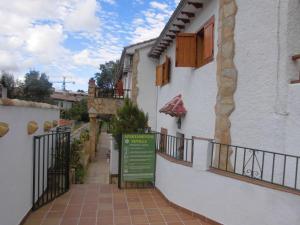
x=159, y=75
x=196, y=50
x=163, y=72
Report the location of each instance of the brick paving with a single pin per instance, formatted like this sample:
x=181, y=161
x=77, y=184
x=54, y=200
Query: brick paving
x=104, y=204
x=99, y=203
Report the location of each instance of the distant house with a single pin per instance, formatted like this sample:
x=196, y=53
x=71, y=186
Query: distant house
x=221, y=87
x=65, y=100
x=135, y=73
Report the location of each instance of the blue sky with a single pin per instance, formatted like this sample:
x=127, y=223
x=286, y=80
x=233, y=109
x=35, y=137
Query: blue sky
x=72, y=37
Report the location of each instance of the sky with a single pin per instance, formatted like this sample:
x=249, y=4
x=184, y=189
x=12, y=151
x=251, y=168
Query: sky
x=72, y=37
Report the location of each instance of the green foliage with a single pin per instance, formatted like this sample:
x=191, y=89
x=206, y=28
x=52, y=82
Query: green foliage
x=129, y=119
x=79, y=174
x=37, y=87
x=75, y=162
x=106, y=77
x=79, y=112
x=75, y=153
x=7, y=80
x=84, y=135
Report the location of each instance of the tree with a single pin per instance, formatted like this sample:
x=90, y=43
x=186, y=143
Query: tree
x=107, y=76
x=7, y=80
x=79, y=112
x=129, y=119
x=37, y=87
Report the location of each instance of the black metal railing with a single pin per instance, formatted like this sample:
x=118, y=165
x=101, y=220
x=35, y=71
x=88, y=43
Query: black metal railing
x=181, y=149
x=51, y=163
x=112, y=93
x=275, y=168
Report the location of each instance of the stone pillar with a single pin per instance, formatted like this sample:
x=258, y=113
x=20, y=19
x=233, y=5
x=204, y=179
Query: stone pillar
x=4, y=92
x=226, y=79
x=93, y=135
x=134, y=79
x=91, y=92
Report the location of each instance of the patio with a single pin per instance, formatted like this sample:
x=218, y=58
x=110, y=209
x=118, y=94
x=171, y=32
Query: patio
x=104, y=204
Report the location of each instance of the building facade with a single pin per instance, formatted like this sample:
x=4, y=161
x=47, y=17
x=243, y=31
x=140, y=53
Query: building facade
x=235, y=65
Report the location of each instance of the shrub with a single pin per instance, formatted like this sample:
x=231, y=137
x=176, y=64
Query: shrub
x=129, y=119
x=84, y=135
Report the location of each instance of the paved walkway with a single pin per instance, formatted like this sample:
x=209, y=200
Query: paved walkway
x=98, y=203
x=98, y=171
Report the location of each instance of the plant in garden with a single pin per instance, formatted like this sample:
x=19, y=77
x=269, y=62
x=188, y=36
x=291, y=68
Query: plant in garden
x=84, y=135
x=75, y=161
x=129, y=119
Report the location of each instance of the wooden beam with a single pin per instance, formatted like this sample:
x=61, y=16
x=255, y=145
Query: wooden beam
x=178, y=25
x=167, y=40
x=188, y=14
x=197, y=5
x=174, y=31
x=185, y=20
x=296, y=57
x=170, y=36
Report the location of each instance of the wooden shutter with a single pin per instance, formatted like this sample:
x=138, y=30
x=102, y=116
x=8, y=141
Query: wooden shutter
x=163, y=139
x=186, y=50
x=208, y=40
x=159, y=75
x=166, y=70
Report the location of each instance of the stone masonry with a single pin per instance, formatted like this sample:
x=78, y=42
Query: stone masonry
x=226, y=78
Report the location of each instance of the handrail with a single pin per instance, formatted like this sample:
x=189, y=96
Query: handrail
x=112, y=93
x=271, y=167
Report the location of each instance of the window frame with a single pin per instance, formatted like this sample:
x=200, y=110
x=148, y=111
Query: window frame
x=201, y=30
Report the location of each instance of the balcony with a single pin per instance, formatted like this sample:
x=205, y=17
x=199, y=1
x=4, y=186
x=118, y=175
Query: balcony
x=105, y=101
x=111, y=93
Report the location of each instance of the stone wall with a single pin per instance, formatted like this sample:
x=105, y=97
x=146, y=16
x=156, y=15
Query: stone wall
x=226, y=75
x=134, y=91
x=106, y=105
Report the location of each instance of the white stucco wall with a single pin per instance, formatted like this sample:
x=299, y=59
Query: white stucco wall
x=197, y=86
x=264, y=47
x=293, y=121
x=225, y=200
x=16, y=160
x=147, y=91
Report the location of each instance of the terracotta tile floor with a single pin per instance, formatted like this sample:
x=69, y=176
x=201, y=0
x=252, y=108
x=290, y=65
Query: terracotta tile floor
x=101, y=204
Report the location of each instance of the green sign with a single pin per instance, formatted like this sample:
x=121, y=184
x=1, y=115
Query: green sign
x=138, y=158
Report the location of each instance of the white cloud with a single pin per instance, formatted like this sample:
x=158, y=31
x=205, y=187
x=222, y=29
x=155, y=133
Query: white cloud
x=84, y=58
x=177, y=2
x=45, y=41
x=158, y=5
x=151, y=22
x=83, y=17
x=112, y=2
x=7, y=61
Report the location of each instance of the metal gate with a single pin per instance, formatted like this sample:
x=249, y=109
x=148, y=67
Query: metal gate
x=51, y=163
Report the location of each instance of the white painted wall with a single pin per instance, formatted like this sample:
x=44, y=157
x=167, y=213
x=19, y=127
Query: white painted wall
x=114, y=157
x=197, y=86
x=225, y=200
x=147, y=91
x=16, y=160
x=293, y=121
x=267, y=115
x=264, y=47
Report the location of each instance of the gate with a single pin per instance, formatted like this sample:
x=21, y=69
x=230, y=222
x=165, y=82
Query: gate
x=51, y=163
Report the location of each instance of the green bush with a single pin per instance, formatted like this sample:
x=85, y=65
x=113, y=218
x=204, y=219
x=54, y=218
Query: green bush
x=84, y=135
x=75, y=161
x=129, y=119
x=79, y=174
